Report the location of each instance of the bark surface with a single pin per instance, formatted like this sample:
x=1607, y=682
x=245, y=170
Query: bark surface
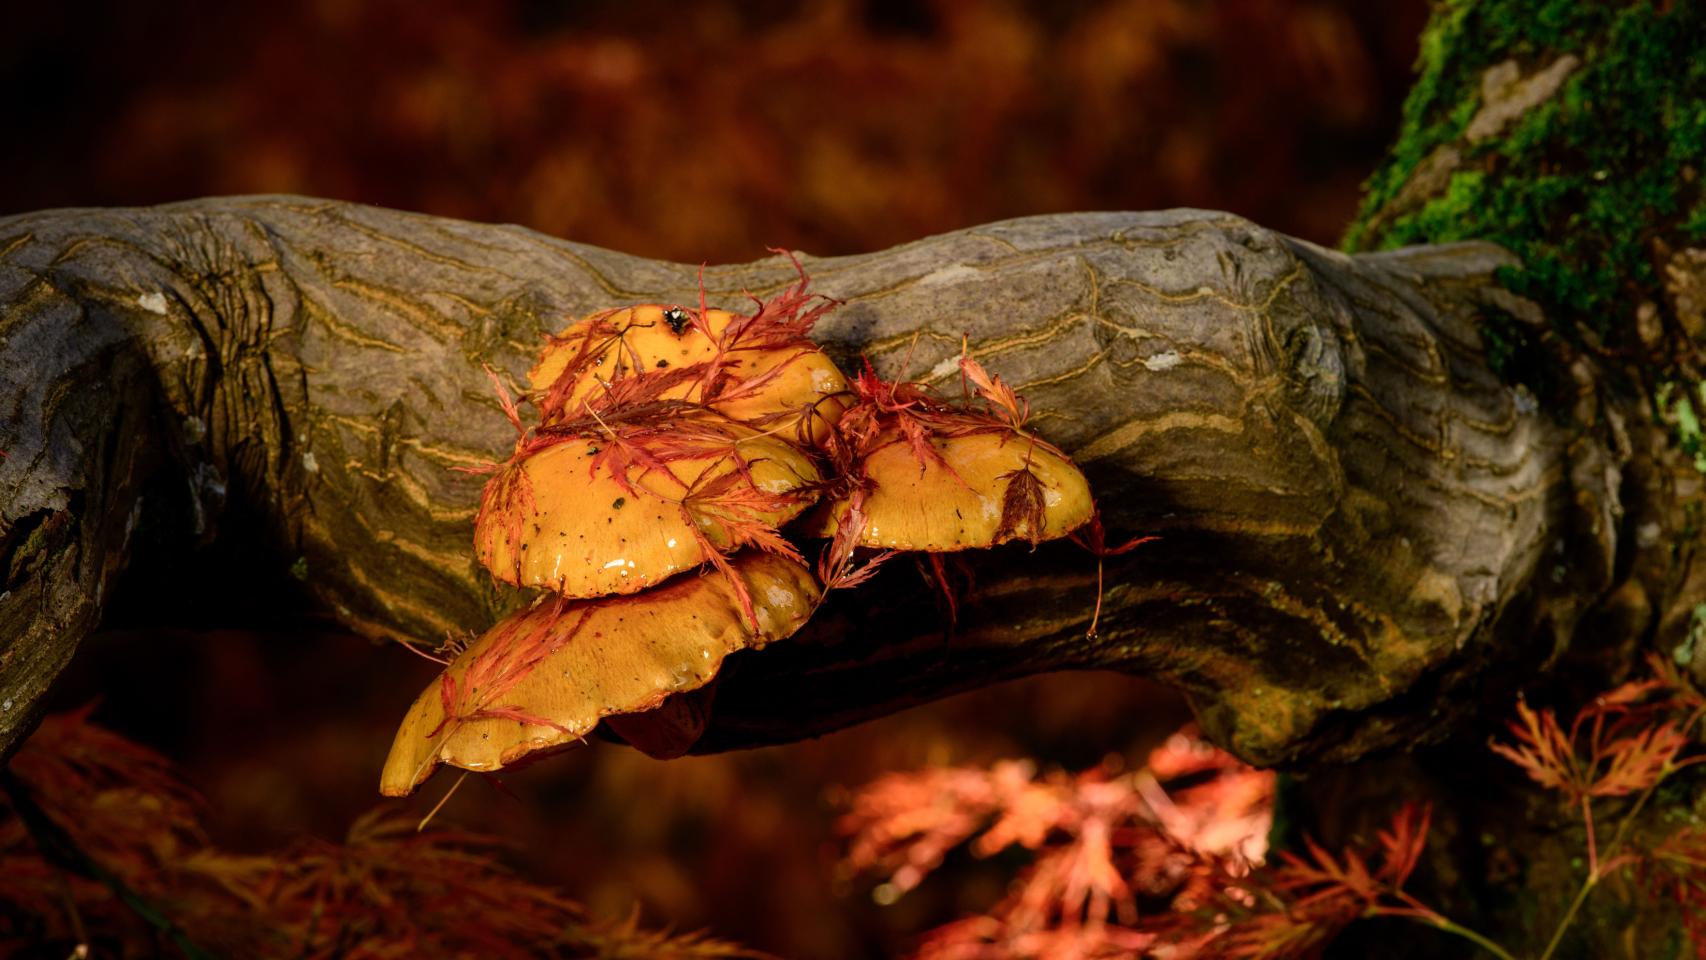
x=1360, y=525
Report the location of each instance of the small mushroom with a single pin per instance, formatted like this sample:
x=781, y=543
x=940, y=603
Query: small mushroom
x=671, y=728
x=921, y=473
x=759, y=369
x=600, y=513
x=968, y=491
x=542, y=678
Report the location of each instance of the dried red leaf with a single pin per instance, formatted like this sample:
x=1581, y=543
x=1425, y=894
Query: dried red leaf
x=1637, y=762
x=886, y=412
x=1610, y=750
x=999, y=395
x=1542, y=750
x=494, y=671
x=1102, y=842
x=1022, y=507
x=1093, y=537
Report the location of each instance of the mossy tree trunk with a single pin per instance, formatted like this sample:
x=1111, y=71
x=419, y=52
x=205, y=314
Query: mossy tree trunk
x=1392, y=488
x=1574, y=135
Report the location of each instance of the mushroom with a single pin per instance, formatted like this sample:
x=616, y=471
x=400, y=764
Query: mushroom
x=920, y=473
x=623, y=507
x=664, y=445
x=541, y=679
x=670, y=729
x=759, y=369
x=968, y=491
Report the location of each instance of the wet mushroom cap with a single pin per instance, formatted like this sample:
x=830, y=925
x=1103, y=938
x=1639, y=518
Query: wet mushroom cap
x=621, y=343
x=797, y=380
x=542, y=678
x=559, y=519
x=960, y=501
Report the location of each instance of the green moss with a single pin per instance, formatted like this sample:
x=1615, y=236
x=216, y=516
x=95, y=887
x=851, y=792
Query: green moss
x=1580, y=185
x=1683, y=654
x=1677, y=405
x=34, y=543
x=1694, y=228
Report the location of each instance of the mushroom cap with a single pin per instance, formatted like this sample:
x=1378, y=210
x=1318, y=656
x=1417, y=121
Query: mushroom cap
x=560, y=518
x=975, y=495
x=767, y=377
x=541, y=678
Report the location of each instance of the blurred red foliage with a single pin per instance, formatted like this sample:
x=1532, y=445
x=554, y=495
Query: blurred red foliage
x=284, y=728
x=1166, y=862
x=129, y=868
x=1298, y=907
x=1111, y=851
x=713, y=130
x=1676, y=870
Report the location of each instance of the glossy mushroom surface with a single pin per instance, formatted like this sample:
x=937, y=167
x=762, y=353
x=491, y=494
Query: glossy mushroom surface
x=583, y=517
x=542, y=678
x=970, y=491
x=748, y=368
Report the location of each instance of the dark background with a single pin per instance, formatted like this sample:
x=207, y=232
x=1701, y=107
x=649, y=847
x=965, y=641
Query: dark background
x=699, y=132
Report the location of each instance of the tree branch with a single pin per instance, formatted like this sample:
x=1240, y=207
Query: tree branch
x=1356, y=516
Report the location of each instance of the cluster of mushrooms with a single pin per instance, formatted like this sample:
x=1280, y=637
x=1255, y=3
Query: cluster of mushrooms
x=677, y=451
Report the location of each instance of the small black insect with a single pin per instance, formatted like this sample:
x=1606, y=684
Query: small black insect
x=676, y=318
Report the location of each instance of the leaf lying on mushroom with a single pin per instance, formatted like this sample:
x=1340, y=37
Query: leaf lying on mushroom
x=969, y=491
x=760, y=369
x=618, y=509
x=542, y=678
x=927, y=474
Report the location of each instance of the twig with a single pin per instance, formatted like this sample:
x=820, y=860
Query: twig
x=440, y=804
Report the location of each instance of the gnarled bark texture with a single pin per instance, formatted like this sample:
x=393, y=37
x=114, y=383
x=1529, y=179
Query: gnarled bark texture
x=1359, y=522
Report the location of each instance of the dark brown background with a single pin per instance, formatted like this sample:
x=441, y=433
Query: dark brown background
x=698, y=132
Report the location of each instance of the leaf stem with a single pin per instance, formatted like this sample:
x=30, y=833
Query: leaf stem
x=1421, y=911
x=1593, y=847
x=1480, y=940
x=440, y=804
x=1569, y=915
x=1593, y=876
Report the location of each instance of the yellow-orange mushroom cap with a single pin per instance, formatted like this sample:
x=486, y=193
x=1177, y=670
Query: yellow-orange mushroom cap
x=543, y=677
x=591, y=515
x=976, y=490
x=756, y=369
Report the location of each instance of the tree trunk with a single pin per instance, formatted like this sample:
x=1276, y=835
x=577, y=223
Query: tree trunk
x=1360, y=524
x=1572, y=134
